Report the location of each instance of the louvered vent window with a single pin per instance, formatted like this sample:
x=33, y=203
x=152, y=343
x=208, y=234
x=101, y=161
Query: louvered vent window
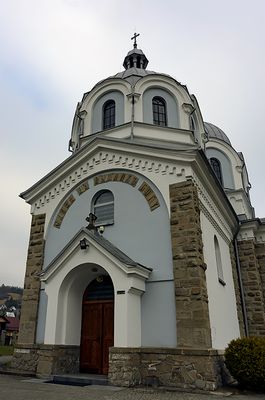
x=103, y=208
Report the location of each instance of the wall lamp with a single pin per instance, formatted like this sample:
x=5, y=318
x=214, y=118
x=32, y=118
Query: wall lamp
x=83, y=244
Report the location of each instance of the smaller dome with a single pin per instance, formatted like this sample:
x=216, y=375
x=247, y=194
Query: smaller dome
x=216, y=133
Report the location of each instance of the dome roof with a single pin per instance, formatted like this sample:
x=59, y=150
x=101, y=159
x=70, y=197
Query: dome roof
x=216, y=133
x=135, y=64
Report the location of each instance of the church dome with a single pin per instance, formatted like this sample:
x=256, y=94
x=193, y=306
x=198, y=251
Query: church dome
x=134, y=64
x=213, y=132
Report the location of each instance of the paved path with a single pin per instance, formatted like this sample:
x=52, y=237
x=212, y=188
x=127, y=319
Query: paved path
x=14, y=388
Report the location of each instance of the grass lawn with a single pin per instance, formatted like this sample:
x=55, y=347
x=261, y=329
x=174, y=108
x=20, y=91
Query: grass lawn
x=6, y=350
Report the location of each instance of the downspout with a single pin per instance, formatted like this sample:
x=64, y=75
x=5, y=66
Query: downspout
x=241, y=288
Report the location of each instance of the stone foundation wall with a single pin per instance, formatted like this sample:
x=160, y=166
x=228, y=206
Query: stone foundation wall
x=192, y=313
x=180, y=368
x=57, y=359
x=25, y=359
x=30, y=300
x=252, y=282
x=46, y=360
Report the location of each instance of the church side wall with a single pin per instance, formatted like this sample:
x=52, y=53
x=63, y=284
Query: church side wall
x=221, y=293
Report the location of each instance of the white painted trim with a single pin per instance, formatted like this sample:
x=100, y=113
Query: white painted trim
x=68, y=276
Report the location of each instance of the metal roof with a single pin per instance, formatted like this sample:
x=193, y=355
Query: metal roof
x=216, y=133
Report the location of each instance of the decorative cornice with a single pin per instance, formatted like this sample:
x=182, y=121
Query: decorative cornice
x=211, y=212
x=252, y=230
x=105, y=160
x=214, y=223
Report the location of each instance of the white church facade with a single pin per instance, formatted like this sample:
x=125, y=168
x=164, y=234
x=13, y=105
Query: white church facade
x=145, y=257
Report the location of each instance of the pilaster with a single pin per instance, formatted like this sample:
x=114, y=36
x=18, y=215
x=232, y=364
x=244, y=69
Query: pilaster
x=192, y=313
x=30, y=301
x=237, y=292
x=260, y=253
x=252, y=282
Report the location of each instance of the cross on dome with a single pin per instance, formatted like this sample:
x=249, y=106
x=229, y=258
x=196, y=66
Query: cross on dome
x=135, y=58
x=134, y=38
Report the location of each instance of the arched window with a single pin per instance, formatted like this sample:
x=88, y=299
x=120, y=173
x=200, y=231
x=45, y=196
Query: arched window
x=109, y=114
x=159, y=111
x=103, y=207
x=218, y=261
x=216, y=166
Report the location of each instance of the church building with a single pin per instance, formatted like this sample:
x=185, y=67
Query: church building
x=145, y=256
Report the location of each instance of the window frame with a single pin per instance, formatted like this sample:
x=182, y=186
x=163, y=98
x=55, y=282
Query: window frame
x=217, y=169
x=218, y=259
x=159, y=109
x=95, y=206
x=108, y=120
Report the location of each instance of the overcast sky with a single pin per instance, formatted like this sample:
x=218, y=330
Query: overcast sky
x=53, y=51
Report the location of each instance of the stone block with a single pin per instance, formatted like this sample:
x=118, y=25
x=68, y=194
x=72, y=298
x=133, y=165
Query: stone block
x=180, y=368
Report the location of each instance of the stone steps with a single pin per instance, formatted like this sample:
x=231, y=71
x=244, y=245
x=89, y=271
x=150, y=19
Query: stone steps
x=80, y=379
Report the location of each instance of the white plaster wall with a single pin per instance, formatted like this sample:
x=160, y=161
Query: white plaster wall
x=142, y=234
x=222, y=301
x=159, y=314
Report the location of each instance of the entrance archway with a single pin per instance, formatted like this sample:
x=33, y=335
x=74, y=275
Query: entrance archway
x=97, y=332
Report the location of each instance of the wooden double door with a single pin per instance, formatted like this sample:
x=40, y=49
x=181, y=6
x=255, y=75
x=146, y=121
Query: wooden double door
x=97, y=333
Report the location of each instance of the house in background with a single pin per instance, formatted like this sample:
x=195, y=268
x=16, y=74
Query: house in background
x=145, y=256
x=12, y=328
x=3, y=323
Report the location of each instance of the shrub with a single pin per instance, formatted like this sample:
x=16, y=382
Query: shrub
x=245, y=359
